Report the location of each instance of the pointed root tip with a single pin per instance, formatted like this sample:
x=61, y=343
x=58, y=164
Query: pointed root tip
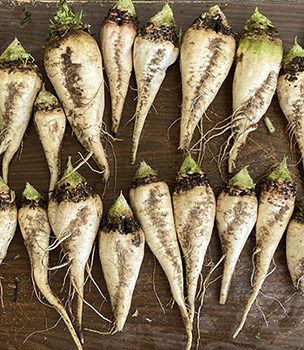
x=78, y=327
x=5, y=178
x=223, y=299
x=114, y=129
x=236, y=333
x=184, y=144
x=81, y=337
x=189, y=334
x=189, y=344
x=117, y=329
x=182, y=148
x=233, y=155
x=240, y=137
x=106, y=177
x=106, y=173
x=133, y=157
x=134, y=149
x=231, y=165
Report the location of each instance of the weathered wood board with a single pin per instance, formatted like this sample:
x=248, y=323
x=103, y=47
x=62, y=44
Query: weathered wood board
x=154, y=328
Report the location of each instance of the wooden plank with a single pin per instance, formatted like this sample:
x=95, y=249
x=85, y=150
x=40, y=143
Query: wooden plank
x=153, y=329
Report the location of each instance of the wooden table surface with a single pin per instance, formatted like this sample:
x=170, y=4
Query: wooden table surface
x=154, y=327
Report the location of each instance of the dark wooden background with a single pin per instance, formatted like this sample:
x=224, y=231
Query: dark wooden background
x=153, y=328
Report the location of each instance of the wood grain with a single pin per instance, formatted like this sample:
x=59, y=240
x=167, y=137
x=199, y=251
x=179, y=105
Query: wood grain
x=153, y=328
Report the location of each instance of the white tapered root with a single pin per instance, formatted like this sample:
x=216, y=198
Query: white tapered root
x=149, y=56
